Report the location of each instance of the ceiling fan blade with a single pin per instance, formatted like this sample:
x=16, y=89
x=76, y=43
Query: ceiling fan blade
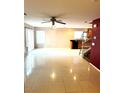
x=60, y=22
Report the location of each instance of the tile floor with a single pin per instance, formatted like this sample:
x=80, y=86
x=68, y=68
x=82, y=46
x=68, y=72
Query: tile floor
x=59, y=71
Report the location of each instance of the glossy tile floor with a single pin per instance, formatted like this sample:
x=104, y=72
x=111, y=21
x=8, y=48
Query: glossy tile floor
x=60, y=71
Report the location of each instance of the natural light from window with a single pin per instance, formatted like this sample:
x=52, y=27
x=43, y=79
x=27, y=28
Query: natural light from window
x=77, y=34
x=40, y=37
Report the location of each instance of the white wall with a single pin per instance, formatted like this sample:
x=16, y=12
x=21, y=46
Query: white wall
x=59, y=38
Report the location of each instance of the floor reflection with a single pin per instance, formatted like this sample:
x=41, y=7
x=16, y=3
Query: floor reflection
x=29, y=64
x=60, y=71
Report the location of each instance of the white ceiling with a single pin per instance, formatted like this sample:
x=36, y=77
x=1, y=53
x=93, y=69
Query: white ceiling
x=75, y=13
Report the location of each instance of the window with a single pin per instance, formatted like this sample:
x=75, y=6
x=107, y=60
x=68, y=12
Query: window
x=84, y=35
x=40, y=37
x=77, y=34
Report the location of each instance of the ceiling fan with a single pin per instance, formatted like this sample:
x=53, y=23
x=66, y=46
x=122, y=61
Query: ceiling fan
x=54, y=20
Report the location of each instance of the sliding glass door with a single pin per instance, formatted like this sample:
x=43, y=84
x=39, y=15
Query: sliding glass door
x=29, y=39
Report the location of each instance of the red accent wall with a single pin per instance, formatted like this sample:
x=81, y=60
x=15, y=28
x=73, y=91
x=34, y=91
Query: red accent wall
x=95, y=50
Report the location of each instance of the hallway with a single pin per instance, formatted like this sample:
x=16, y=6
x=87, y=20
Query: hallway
x=59, y=70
